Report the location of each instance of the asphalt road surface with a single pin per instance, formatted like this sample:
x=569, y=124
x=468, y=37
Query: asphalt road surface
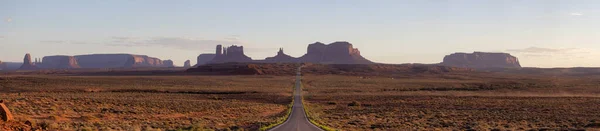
x=297, y=121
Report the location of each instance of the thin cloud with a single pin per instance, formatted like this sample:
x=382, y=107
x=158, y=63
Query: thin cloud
x=233, y=37
x=53, y=41
x=173, y=42
x=548, y=52
x=540, y=50
x=63, y=42
x=182, y=43
x=576, y=14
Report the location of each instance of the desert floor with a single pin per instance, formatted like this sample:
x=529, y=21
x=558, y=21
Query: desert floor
x=454, y=102
x=145, y=102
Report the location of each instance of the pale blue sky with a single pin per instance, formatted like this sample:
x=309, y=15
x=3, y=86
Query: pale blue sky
x=541, y=33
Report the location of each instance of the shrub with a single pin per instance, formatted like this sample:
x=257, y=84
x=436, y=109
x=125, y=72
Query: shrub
x=332, y=103
x=354, y=103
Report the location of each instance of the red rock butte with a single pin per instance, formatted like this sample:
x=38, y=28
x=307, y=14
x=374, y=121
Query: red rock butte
x=27, y=64
x=230, y=54
x=482, y=60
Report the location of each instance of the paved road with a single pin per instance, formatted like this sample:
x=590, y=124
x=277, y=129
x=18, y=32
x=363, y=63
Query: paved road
x=297, y=120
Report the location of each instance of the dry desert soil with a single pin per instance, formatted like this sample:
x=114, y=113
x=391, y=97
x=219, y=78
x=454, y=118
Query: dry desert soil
x=337, y=97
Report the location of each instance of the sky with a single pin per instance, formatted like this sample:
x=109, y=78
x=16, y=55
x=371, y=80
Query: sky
x=541, y=33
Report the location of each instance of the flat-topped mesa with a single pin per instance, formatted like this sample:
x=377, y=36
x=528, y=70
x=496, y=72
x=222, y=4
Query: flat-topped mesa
x=340, y=52
x=482, y=60
x=205, y=58
x=145, y=61
x=59, y=62
x=27, y=64
x=119, y=61
x=281, y=57
x=230, y=54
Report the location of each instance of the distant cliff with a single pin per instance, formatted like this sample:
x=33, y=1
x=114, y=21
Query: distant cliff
x=481, y=60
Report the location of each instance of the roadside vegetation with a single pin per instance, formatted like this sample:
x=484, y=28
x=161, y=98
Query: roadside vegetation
x=313, y=116
x=282, y=119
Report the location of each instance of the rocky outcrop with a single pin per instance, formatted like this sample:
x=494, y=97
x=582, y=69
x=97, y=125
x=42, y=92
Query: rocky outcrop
x=118, y=61
x=5, y=112
x=27, y=64
x=187, y=64
x=204, y=59
x=230, y=54
x=481, y=60
x=59, y=62
x=334, y=53
x=281, y=58
x=168, y=63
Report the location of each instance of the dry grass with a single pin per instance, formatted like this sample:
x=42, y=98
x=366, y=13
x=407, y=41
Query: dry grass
x=147, y=102
x=454, y=102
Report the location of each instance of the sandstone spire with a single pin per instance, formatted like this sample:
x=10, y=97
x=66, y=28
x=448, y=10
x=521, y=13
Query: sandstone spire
x=27, y=64
x=187, y=64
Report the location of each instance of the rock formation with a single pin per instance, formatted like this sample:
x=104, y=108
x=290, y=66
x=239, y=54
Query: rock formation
x=334, y=53
x=230, y=54
x=168, y=63
x=481, y=60
x=187, y=64
x=281, y=58
x=204, y=58
x=5, y=112
x=118, y=61
x=59, y=62
x=27, y=64
x=2, y=66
